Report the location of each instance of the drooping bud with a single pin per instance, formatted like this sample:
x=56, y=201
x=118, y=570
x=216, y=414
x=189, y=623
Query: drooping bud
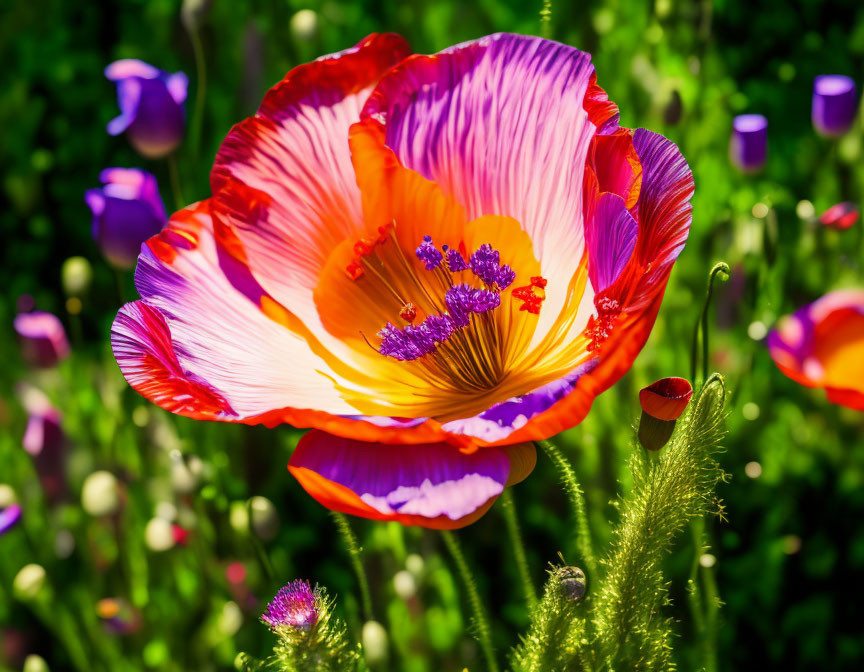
x=662, y=403
x=42, y=337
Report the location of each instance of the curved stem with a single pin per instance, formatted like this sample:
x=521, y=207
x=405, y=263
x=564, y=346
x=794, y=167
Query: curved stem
x=508, y=507
x=722, y=269
x=354, y=551
x=484, y=633
x=577, y=501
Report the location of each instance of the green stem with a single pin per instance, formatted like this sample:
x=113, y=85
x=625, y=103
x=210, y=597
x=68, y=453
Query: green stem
x=546, y=19
x=508, y=507
x=484, y=633
x=174, y=172
x=354, y=551
x=722, y=269
x=200, y=90
x=577, y=501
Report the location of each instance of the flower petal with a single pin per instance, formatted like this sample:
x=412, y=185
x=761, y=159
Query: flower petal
x=611, y=237
x=197, y=345
x=283, y=182
x=663, y=213
x=486, y=119
x=432, y=485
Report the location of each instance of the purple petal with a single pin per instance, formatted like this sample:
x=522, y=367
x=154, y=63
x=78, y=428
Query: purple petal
x=611, y=237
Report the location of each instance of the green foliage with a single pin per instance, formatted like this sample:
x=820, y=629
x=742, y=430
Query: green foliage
x=624, y=624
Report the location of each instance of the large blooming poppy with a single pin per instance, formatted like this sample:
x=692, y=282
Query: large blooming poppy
x=822, y=345
x=431, y=261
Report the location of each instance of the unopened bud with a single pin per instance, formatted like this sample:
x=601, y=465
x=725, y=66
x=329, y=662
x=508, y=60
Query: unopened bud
x=375, y=645
x=662, y=403
x=573, y=582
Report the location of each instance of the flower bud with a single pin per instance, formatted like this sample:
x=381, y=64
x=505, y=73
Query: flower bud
x=159, y=535
x=662, y=404
x=375, y=644
x=264, y=519
x=294, y=606
x=29, y=582
x=834, y=105
x=127, y=211
x=100, y=494
x=573, y=582
x=749, y=142
x=304, y=24
x=840, y=217
x=76, y=274
x=44, y=441
x=42, y=338
x=9, y=516
x=151, y=106
x=34, y=663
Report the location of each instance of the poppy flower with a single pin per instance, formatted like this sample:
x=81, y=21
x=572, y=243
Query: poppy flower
x=44, y=441
x=835, y=103
x=822, y=345
x=151, y=106
x=127, y=210
x=431, y=261
x=841, y=216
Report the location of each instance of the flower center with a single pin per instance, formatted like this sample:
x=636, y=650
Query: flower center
x=446, y=321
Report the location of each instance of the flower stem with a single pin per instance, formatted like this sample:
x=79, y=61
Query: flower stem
x=721, y=268
x=174, y=171
x=508, y=507
x=354, y=551
x=484, y=633
x=577, y=501
x=546, y=19
x=200, y=90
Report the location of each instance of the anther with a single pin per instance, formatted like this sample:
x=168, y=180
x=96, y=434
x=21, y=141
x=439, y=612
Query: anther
x=354, y=270
x=408, y=312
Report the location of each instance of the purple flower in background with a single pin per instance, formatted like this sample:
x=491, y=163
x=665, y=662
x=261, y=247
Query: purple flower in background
x=151, y=106
x=834, y=105
x=8, y=517
x=44, y=441
x=749, y=142
x=42, y=337
x=295, y=606
x=126, y=212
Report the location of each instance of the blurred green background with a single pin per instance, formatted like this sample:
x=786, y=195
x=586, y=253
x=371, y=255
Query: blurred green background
x=791, y=551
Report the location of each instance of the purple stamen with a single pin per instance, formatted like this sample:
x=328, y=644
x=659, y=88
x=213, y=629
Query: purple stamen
x=506, y=276
x=429, y=254
x=484, y=263
x=455, y=261
x=295, y=606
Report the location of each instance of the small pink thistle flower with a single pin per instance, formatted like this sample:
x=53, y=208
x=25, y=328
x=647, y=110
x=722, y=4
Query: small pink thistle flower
x=295, y=606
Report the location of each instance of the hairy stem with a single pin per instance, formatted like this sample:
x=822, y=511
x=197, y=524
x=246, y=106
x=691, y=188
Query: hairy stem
x=577, y=501
x=481, y=623
x=720, y=269
x=508, y=507
x=354, y=551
